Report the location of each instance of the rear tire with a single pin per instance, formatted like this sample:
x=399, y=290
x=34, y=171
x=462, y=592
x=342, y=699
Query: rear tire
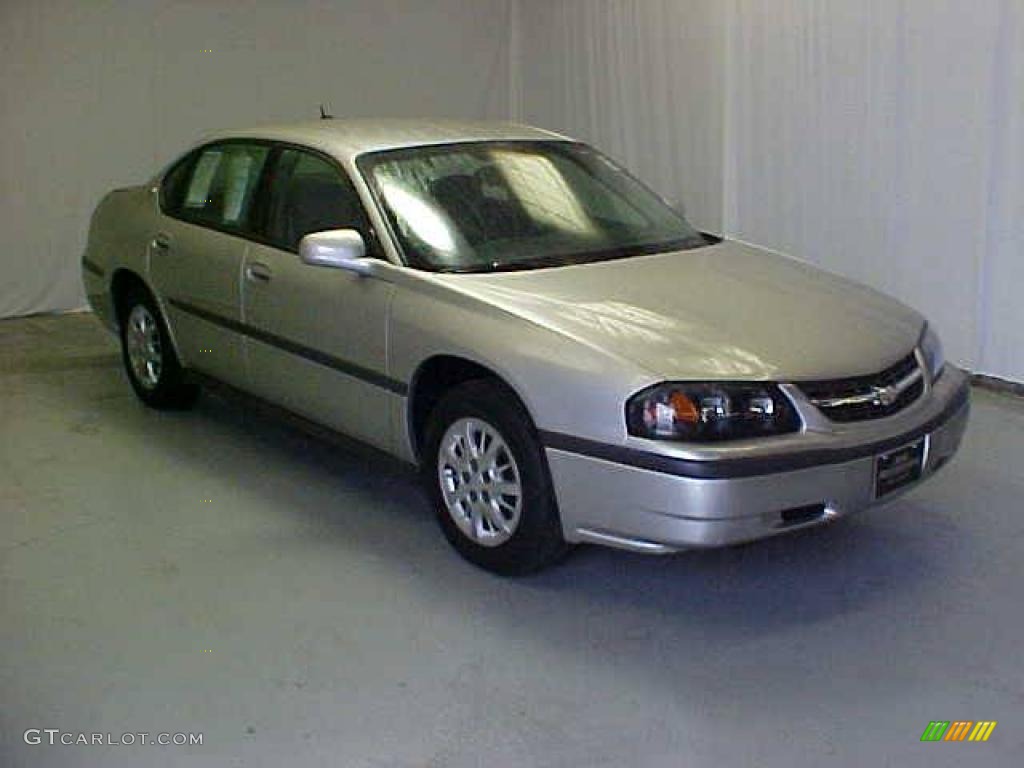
x=149, y=359
x=487, y=477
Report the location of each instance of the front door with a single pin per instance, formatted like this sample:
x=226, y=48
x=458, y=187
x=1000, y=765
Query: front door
x=316, y=336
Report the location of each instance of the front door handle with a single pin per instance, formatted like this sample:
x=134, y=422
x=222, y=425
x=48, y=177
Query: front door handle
x=258, y=273
x=161, y=242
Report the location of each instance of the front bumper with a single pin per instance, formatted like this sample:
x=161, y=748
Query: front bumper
x=662, y=504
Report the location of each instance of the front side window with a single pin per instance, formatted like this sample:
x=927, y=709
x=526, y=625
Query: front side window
x=309, y=194
x=222, y=185
x=490, y=206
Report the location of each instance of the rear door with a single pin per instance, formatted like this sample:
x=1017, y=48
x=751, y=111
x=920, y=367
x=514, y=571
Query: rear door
x=316, y=335
x=196, y=258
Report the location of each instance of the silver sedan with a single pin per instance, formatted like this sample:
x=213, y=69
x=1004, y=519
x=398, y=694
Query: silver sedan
x=561, y=353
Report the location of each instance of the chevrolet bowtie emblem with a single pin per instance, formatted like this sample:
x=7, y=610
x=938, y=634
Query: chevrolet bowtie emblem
x=886, y=396
x=876, y=396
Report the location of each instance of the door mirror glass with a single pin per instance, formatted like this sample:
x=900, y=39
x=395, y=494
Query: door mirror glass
x=338, y=248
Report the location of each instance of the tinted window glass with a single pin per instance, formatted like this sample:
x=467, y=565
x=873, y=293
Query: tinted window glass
x=223, y=183
x=309, y=194
x=173, y=186
x=487, y=206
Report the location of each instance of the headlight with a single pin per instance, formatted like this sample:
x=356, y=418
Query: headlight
x=931, y=351
x=709, y=412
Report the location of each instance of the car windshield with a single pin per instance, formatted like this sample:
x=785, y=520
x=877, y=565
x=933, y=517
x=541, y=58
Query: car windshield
x=493, y=206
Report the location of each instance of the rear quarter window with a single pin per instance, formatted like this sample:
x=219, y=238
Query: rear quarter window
x=172, y=188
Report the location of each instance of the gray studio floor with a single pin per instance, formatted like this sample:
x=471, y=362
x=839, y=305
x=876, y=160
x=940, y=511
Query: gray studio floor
x=224, y=573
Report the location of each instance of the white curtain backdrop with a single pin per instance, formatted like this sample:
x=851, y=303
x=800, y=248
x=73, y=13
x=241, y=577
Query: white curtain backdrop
x=641, y=79
x=98, y=94
x=1001, y=293
x=882, y=139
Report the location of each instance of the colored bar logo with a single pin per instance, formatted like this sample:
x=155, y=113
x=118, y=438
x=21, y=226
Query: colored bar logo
x=959, y=730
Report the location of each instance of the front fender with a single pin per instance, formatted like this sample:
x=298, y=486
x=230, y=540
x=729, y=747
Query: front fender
x=566, y=386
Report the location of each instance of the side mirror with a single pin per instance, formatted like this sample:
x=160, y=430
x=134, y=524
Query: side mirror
x=338, y=248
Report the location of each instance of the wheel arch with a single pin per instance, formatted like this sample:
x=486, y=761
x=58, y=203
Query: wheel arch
x=122, y=282
x=437, y=375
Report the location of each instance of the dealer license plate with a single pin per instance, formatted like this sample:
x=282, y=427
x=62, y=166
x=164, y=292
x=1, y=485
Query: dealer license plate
x=897, y=468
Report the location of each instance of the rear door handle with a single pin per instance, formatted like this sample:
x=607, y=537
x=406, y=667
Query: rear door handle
x=161, y=242
x=258, y=272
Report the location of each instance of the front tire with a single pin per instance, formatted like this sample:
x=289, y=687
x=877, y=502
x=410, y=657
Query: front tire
x=487, y=477
x=148, y=355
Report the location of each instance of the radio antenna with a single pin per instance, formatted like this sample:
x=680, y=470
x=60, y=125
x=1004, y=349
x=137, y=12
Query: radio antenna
x=324, y=115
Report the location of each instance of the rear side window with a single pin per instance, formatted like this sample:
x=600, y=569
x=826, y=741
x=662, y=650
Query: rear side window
x=221, y=185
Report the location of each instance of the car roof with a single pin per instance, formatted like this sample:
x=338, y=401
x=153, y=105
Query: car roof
x=347, y=138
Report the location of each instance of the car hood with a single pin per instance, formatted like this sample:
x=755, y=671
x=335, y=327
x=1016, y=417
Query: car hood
x=728, y=311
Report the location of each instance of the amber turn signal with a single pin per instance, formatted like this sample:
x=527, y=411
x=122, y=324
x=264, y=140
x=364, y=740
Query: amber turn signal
x=684, y=408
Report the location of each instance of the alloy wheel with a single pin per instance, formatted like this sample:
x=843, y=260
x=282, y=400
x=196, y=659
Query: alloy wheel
x=142, y=342
x=480, y=481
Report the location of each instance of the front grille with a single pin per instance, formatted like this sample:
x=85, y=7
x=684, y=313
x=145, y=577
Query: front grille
x=875, y=396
